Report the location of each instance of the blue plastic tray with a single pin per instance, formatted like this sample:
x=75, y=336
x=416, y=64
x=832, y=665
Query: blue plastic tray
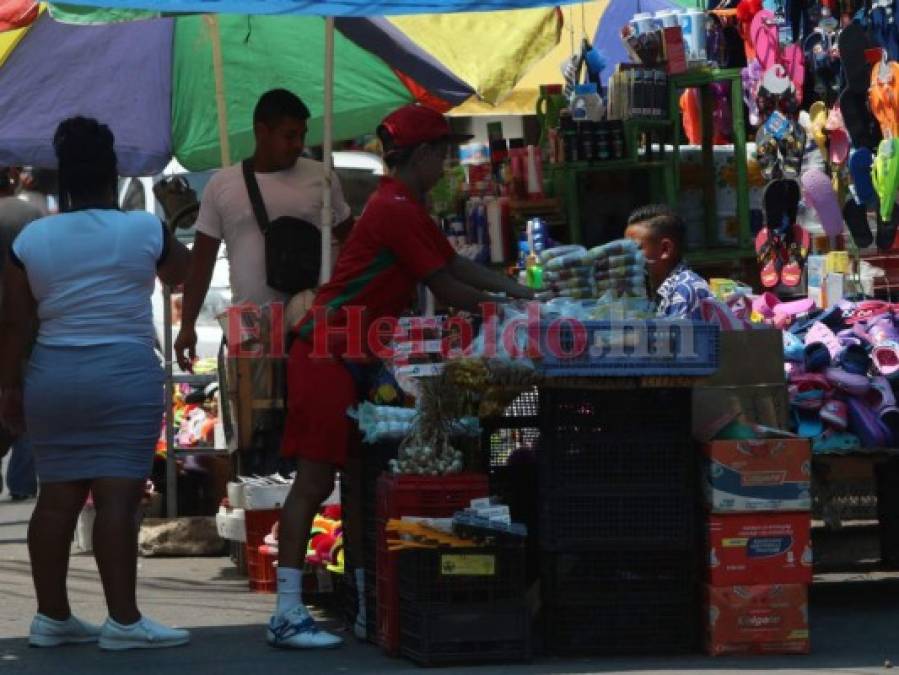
x=628, y=348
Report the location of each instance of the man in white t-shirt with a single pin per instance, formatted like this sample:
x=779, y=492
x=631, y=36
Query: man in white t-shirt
x=290, y=185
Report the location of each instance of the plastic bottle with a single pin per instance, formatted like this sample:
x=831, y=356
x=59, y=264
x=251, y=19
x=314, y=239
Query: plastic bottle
x=495, y=230
x=586, y=104
x=518, y=157
x=535, y=173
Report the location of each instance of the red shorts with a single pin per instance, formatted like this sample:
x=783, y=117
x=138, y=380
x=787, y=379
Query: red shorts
x=319, y=392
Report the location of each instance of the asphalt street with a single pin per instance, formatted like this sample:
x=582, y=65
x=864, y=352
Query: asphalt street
x=855, y=626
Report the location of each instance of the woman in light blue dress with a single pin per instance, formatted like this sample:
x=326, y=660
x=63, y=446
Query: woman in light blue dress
x=91, y=394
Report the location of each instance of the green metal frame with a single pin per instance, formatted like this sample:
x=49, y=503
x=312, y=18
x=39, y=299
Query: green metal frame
x=702, y=80
x=662, y=172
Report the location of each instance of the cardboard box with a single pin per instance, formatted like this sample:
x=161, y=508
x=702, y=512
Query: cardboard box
x=759, y=475
x=750, y=381
x=757, y=619
x=760, y=548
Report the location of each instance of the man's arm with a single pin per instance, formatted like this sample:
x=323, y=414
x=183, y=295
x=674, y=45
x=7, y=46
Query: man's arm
x=478, y=276
x=174, y=268
x=342, y=231
x=203, y=257
x=450, y=291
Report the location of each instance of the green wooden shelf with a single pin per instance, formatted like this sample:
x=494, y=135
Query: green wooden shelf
x=612, y=165
x=711, y=256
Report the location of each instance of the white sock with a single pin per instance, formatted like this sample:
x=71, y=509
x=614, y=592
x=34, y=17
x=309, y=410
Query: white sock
x=290, y=589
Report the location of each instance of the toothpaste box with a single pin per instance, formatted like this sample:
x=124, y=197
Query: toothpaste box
x=757, y=619
x=760, y=548
x=758, y=475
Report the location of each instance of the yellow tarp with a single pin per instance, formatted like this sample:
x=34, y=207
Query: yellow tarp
x=582, y=19
x=520, y=37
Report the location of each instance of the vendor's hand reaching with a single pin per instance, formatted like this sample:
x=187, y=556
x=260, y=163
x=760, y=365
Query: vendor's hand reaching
x=12, y=413
x=186, y=348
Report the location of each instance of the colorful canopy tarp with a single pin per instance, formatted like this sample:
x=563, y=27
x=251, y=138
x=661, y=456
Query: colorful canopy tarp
x=152, y=81
x=318, y=8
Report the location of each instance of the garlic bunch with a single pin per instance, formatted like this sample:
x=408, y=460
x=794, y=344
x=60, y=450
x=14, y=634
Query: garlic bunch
x=426, y=460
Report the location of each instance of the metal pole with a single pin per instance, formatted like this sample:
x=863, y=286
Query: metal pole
x=171, y=468
x=218, y=70
x=327, y=147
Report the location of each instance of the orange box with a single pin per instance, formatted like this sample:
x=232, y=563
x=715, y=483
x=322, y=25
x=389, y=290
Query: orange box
x=760, y=548
x=758, y=475
x=757, y=619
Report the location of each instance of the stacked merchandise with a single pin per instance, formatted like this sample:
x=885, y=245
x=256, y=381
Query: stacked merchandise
x=249, y=518
x=840, y=364
x=462, y=597
x=758, y=493
x=617, y=268
x=401, y=496
x=617, y=522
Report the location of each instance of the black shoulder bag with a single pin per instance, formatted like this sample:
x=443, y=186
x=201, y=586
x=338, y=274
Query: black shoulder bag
x=293, y=247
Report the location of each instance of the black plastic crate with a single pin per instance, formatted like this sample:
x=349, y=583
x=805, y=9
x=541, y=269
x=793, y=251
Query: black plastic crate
x=626, y=520
x=350, y=604
x=436, y=635
x=644, y=413
x=617, y=577
x=504, y=445
x=594, y=463
x=460, y=576
x=664, y=627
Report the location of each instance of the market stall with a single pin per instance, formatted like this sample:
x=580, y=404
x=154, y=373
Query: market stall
x=530, y=479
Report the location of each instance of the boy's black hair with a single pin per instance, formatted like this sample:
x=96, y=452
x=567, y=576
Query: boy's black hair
x=276, y=104
x=662, y=221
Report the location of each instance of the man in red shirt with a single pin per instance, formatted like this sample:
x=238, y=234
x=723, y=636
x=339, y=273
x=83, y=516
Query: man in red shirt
x=394, y=246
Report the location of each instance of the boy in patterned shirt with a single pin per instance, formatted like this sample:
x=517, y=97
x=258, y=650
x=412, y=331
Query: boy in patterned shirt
x=661, y=234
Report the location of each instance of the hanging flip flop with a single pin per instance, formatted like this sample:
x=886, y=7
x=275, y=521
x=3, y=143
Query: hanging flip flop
x=856, y=217
x=792, y=150
x=838, y=137
x=817, y=115
x=764, y=35
x=793, y=61
x=767, y=247
x=767, y=152
x=860, y=162
x=886, y=231
x=885, y=176
x=853, y=42
x=818, y=192
x=797, y=253
x=860, y=123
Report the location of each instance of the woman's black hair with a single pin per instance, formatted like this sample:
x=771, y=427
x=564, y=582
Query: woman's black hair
x=88, y=168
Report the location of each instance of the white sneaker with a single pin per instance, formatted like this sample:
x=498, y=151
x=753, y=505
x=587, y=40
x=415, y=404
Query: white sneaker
x=297, y=630
x=145, y=634
x=47, y=632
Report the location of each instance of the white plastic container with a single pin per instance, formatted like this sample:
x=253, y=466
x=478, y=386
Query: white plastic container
x=264, y=497
x=643, y=22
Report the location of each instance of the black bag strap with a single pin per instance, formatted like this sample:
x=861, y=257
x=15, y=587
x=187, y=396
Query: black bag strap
x=249, y=177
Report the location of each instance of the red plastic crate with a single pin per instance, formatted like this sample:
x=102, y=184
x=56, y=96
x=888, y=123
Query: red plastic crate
x=260, y=567
x=262, y=570
x=427, y=496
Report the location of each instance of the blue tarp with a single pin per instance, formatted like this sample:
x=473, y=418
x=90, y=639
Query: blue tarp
x=327, y=8
x=119, y=73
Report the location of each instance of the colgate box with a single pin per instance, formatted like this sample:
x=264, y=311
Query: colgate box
x=760, y=548
x=757, y=619
x=758, y=475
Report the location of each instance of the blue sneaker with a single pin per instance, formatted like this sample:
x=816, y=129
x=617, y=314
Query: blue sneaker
x=297, y=630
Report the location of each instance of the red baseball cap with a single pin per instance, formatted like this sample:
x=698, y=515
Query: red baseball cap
x=414, y=124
